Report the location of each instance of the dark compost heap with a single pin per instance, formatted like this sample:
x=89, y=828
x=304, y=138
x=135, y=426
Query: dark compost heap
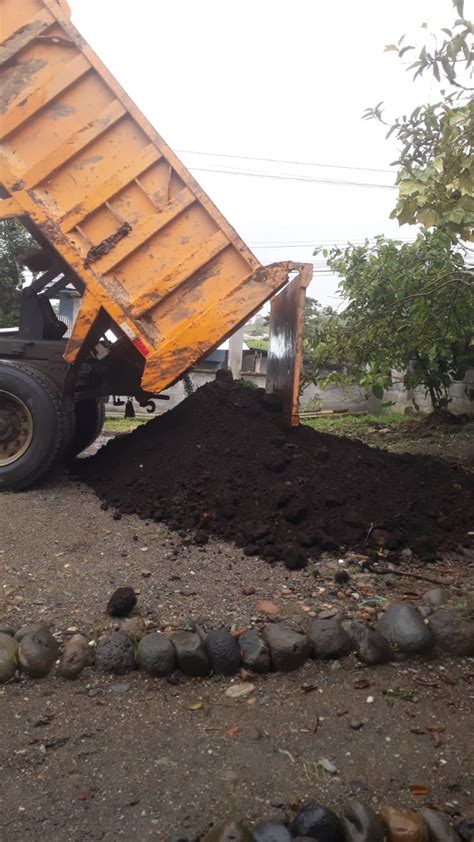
x=222, y=464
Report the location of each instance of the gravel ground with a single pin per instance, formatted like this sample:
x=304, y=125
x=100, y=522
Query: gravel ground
x=135, y=758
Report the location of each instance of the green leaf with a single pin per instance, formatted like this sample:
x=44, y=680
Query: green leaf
x=377, y=391
x=428, y=217
x=408, y=186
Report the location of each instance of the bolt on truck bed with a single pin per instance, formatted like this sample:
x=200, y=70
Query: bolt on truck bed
x=144, y=242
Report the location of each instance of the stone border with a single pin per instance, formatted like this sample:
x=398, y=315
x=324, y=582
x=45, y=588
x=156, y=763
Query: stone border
x=359, y=823
x=402, y=631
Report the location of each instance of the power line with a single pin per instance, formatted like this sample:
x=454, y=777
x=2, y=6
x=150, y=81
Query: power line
x=290, y=177
x=328, y=244
x=280, y=161
x=323, y=242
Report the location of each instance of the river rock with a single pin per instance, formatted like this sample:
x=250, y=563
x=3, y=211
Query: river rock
x=122, y=601
x=223, y=652
x=115, y=654
x=465, y=829
x=133, y=627
x=8, y=657
x=453, y=632
x=370, y=646
x=37, y=653
x=191, y=653
x=437, y=597
x=42, y=625
x=271, y=832
x=254, y=652
x=76, y=655
x=156, y=654
x=403, y=627
x=318, y=823
x=439, y=828
x=228, y=831
x=361, y=824
x=329, y=639
x=288, y=649
x=403, y=825
x=182, y=837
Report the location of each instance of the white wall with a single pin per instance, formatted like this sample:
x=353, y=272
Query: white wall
x=352, y=398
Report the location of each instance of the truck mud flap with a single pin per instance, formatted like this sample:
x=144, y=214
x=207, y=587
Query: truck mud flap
x=285, y=346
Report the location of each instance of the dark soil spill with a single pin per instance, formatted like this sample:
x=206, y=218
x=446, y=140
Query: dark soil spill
x=222, y=464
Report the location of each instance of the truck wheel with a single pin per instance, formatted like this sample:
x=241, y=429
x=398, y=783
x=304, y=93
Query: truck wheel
x=90, y=417
x=31, y=425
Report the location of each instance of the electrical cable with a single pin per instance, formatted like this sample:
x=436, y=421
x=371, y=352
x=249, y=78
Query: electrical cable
x=290, y=177
x=280, y=161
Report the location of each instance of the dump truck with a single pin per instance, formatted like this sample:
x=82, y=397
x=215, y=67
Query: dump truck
x=162, y=276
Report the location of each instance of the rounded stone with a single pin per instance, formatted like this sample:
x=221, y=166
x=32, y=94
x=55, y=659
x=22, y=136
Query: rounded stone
x=271, y=832
x=370, y=646
x=404, y=825
x=133, y=627
x=361, y=824
x=438, y=826
x=254, y=652
x=156, y=654
x=115, y=654
x=37, y=653
x=329, y=639
x=228, y=831
x=405, y=630
x=437, y=597
x=42, y=625
x=288, y=649
x=465, y=829
x=191, y=654
x=223, y=652
x=76, y=655
x=317, y=822
x=122, y=601
x=453, y=632
x=8, y=657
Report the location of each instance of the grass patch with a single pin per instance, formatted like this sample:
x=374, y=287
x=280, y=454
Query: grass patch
x=123, y=425
x=347, y=425
x=257, y=344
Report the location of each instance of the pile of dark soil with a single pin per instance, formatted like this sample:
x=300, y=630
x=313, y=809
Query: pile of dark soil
x=221, y=463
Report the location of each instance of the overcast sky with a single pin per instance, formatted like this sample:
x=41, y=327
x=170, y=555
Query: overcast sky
x=273, y=79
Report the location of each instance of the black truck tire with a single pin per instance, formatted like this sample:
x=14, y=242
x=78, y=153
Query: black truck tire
x=32, y=425
x=90, y=417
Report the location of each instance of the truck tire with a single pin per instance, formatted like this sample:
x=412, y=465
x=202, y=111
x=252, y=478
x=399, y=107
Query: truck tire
x=90, y=417
x=32, y=425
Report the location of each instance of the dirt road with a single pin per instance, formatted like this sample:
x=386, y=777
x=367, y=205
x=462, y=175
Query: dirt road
x=136, y=758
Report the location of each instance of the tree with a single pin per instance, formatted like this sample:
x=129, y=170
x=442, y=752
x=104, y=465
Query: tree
x=315, y=317
x=436, y=163
x=410, y=308
x=14, y=241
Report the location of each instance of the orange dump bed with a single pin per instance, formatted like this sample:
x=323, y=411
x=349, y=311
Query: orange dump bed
x=79, y=158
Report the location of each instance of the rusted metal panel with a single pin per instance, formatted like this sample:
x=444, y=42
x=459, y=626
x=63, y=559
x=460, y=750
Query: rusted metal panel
x=285, y=345
x=80, y=159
